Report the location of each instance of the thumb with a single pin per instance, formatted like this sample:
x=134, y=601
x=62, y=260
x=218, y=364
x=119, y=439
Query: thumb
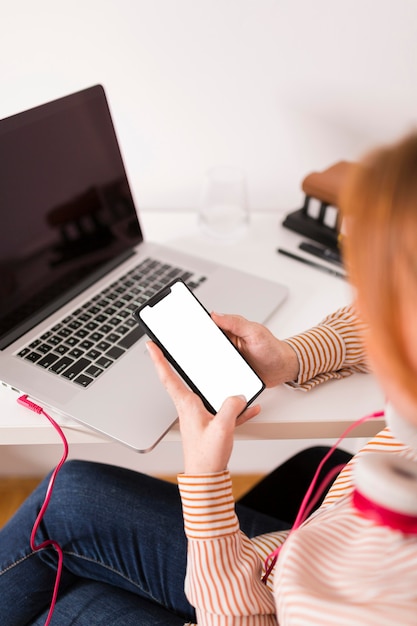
x=231, y=408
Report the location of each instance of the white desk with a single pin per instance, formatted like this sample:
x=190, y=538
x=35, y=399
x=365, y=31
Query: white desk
x=286, y=414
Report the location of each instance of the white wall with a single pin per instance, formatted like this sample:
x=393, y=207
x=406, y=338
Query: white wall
x=278, y=87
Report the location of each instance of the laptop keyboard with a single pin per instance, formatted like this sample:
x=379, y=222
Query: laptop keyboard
x=85, y=343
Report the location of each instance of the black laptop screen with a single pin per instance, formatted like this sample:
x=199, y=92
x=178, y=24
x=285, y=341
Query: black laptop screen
x=67, y=214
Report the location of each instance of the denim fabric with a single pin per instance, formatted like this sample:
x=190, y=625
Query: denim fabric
x=124, y=551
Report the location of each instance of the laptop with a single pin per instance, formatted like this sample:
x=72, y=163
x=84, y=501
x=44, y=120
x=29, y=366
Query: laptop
x=74, y=264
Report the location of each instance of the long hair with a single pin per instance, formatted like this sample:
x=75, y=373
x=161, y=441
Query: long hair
x=379, y=208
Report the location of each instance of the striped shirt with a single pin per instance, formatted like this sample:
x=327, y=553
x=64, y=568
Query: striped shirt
x=338, y=568
x=333, y=349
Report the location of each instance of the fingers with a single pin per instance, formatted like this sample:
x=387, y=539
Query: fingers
x=251, y=412
x=233, y=411
x=174, y=385
x=235, y=324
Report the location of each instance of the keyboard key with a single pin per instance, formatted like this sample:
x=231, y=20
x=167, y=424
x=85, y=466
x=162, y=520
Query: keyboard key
x=72, y=341
x=64, y=332
x=81, y=333
x=75, y=369
x=104, y=362
x=100, y=318
x=48, y=360
x=84, y=317
x=44, y=348
x=91, y=326
x=105, y=329
x=33, y=356
x=54, y=340
x=76, y=353
x=74, y=324
x=94, y=310
x=93, y=354
x=60, y=366
x=96, y=337
x=131, y=338
x=86, y=344
x=24, y=352
x=94, y=371
x=115, y=352
x=103, y=345
x=61, y=349
x=123, y=329
x=83, y=380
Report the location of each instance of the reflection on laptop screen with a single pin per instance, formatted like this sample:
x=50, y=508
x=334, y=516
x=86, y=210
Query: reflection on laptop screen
x=67, y=213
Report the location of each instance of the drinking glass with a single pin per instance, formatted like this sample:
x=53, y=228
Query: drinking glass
x=223, y=211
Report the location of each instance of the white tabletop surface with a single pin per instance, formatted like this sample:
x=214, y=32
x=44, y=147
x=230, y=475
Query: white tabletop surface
x=286, y=414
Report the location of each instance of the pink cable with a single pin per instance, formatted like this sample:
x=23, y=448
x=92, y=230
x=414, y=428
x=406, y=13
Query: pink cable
x=24, y=401
x=306, y=506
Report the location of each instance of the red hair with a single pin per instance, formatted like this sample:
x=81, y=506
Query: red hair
x=379, y=206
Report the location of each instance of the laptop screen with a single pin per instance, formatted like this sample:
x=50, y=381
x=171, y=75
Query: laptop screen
x=67, y=213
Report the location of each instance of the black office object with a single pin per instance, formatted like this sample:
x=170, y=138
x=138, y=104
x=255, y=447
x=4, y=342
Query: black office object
x=331, y=255
x=318, y=266
x=325, y=188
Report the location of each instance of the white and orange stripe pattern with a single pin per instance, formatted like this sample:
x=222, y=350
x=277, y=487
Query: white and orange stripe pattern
x=223, y=579
x=333, y=349
x=337, y=569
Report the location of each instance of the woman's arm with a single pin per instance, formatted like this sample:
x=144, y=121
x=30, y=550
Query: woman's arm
x=333, y=349
x=223, y=580
x=224, y=571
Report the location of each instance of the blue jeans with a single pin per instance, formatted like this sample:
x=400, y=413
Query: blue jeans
x=124, y=551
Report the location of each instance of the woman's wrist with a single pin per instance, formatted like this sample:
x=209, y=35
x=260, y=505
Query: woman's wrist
x=291, y=367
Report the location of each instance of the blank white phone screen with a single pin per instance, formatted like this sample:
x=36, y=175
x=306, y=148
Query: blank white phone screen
x=200, y=348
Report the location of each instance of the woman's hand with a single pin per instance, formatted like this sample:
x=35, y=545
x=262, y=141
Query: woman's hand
x=207, y=439
x=273, y=360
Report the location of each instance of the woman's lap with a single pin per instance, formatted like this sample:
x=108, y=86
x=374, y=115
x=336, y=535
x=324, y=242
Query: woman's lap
x=117, y=527
x=124, y=544
x=91, y=603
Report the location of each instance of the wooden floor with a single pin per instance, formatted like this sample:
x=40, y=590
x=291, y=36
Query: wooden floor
x=14, y=490
x=12, y=493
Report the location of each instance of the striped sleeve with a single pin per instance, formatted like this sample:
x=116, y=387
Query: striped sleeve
x=223, y=580
x=333, y=349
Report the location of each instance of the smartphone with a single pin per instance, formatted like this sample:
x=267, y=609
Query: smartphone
x=196, y=347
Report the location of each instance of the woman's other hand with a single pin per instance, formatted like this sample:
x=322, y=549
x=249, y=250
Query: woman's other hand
x=273, y=360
